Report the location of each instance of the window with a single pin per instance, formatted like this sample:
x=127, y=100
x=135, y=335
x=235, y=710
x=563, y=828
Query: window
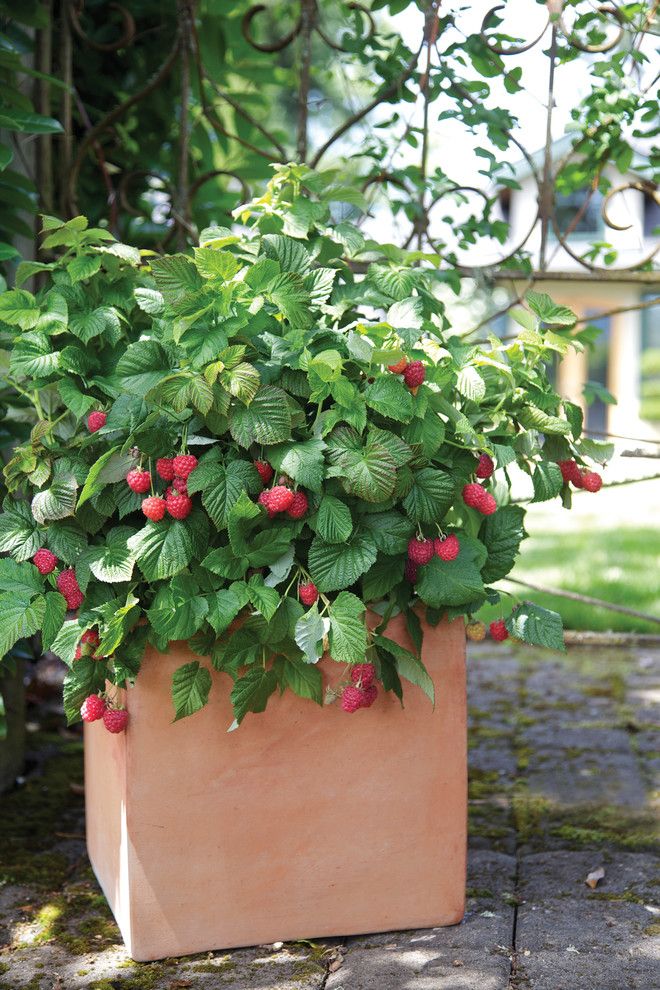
x=567, y=206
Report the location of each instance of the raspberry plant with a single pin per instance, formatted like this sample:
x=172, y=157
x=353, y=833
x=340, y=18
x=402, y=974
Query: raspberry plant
x=292, y=412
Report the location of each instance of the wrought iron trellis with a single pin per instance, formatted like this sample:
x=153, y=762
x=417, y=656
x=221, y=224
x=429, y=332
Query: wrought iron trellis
x=184, y=58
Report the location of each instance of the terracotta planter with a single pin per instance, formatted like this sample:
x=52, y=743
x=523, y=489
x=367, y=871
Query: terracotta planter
x=303, y=823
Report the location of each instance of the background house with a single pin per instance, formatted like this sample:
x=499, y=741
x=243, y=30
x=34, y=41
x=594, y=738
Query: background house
x=626, y=357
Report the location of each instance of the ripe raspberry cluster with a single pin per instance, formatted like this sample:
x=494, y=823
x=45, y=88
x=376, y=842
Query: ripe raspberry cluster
x=67, y=585
x=485, y=467
x=45, y=561
x=413, y=372
x=499, y=631
x=281, y=498
x=362, y=692
x=571, y=471
x=177, y=503
x=308, y=593
x=95, y=708
x=421, y=551
x=96, y=420
x=476, y=496
x=87, y=646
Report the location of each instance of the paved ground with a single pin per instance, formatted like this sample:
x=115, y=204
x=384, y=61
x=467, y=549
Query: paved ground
x=563, y=759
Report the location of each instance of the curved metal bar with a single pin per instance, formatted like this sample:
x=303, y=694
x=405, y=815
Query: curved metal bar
x=123, y=190
x=207, y=176
x=600, y=268
x=274, y=46
x=606, y=46
x=128, y=28
x=643, y=187
x=512, y=49
x=351, y=6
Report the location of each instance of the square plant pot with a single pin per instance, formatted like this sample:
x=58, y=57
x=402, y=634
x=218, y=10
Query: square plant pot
x=302, y=823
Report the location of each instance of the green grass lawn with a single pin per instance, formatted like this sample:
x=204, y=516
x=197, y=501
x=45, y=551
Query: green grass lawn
x=612, y=554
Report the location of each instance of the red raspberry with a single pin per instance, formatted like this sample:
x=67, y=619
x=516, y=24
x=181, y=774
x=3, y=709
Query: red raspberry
x=115, y=719
x=90, y=636
x=67, y=585
x=410, y=571
x=77, y=655
x=184, y=465
x=178, y=506
x=478, y=498
x=45, y=561
x=447, y=549
x=180, y=485
x=414, y=374
x=399, y=367
x=308, y=593
x=569, y=471
x=299, y=506
x=280, y=498
x=370, y=695
x=499, y=631
x=591, y=481
x=352, y=698
x=138, y=480
x=165, y=468
x=363, y=674
x=420, y=551
x=265, y=471
x=486, y=467
x=95, y=421
x=93, y=708
x=264, y=499
x=154, y=508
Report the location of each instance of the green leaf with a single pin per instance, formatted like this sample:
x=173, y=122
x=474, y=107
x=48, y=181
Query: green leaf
x=83, y=267
x=334, y=566
x=267, y=420
x=54, y=613
x=142, y=365
x=309, y=633
x=396, y=284
x=162, y=549
x=94, y=483
x=221, y=487
x=291, y=255
x=268, y=547
x=333, y=522
x=224, y=606
x=265, y=600
x=211, y=263
x=19, y=308
x=177, y=612
x=56, y=502
x=251, y=692
x=533, y=418
x=176, y=276
x=150, y=301
x=348, y=633
x=408, y=665
x=390, y=397
x=86, y=677
x=67, y=540
x=304, y=679
x=379, y=580
x=241, y=519
x=536, y=626
x=501, y=534
x=191, y=685
x=102, y=320
x=390, y=530
x=18, y=531
x=547, y=480
x=33, y=357
x=244, y=381
x=23, y=579
x=470, y=384
x=443, y=583
x=65, y=643
x=114, y=561
x=20, y=618
x=369, y=473
x=301, y=460
x=430, y=497
x=548, y=311
x=74, y=399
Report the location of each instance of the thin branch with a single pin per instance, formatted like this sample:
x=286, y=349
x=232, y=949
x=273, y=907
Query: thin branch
x=585, y=600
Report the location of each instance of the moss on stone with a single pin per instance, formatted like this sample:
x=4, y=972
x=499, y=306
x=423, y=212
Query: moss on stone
x=652, y=930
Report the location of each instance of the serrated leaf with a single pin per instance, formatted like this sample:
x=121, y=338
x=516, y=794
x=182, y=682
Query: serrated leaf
x=54, y=614
x=547, y=480
x=390, y=530
x=33, y=356
x=224, y=606
x=67, y=540
x=265, y=600
x=251, y=692
x=304, y=679
x=176, y=277
x=191, y=684
x=86, y=677
x=114, y=561
x=56, y=502
x=470, y=384
x=150, y=301
x=396, y=284
x=309, y=633
x=348, y=633
x=103, y=319
x=390, y=397
x=244, y=381
x=333, y=522
x=442, y=583
x=501, y=534
x=533, y=418
x=19, y=308
x=267, y=420
x=408, y=665
x=334, y=566
x=380, y=579
x=301, y=460
x=430, y=496
x=212, y=263
x=83, y=267
x=536, y=626
x=162, y=549
x=142, y=366
x=548, y=311
x=18, y=531
x=177, y=612
x=20, y=618
x=93, y=482
x=22, y=579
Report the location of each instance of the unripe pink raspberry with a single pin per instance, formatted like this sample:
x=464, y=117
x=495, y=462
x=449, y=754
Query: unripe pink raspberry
x=45, y=561
x=414, y=374
x=92, y=709
x=499, y=631
x=420, y=551
x=178, y=506
x=67, y=585
x=165, y=468
x=95, y=421
x=352, y=698
x=363, y=674
x=308, y=593
x=485, y=468
x=184, y=465
x=115, y=719
x=138, y=481
x=298, y=506
x=448, y=548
